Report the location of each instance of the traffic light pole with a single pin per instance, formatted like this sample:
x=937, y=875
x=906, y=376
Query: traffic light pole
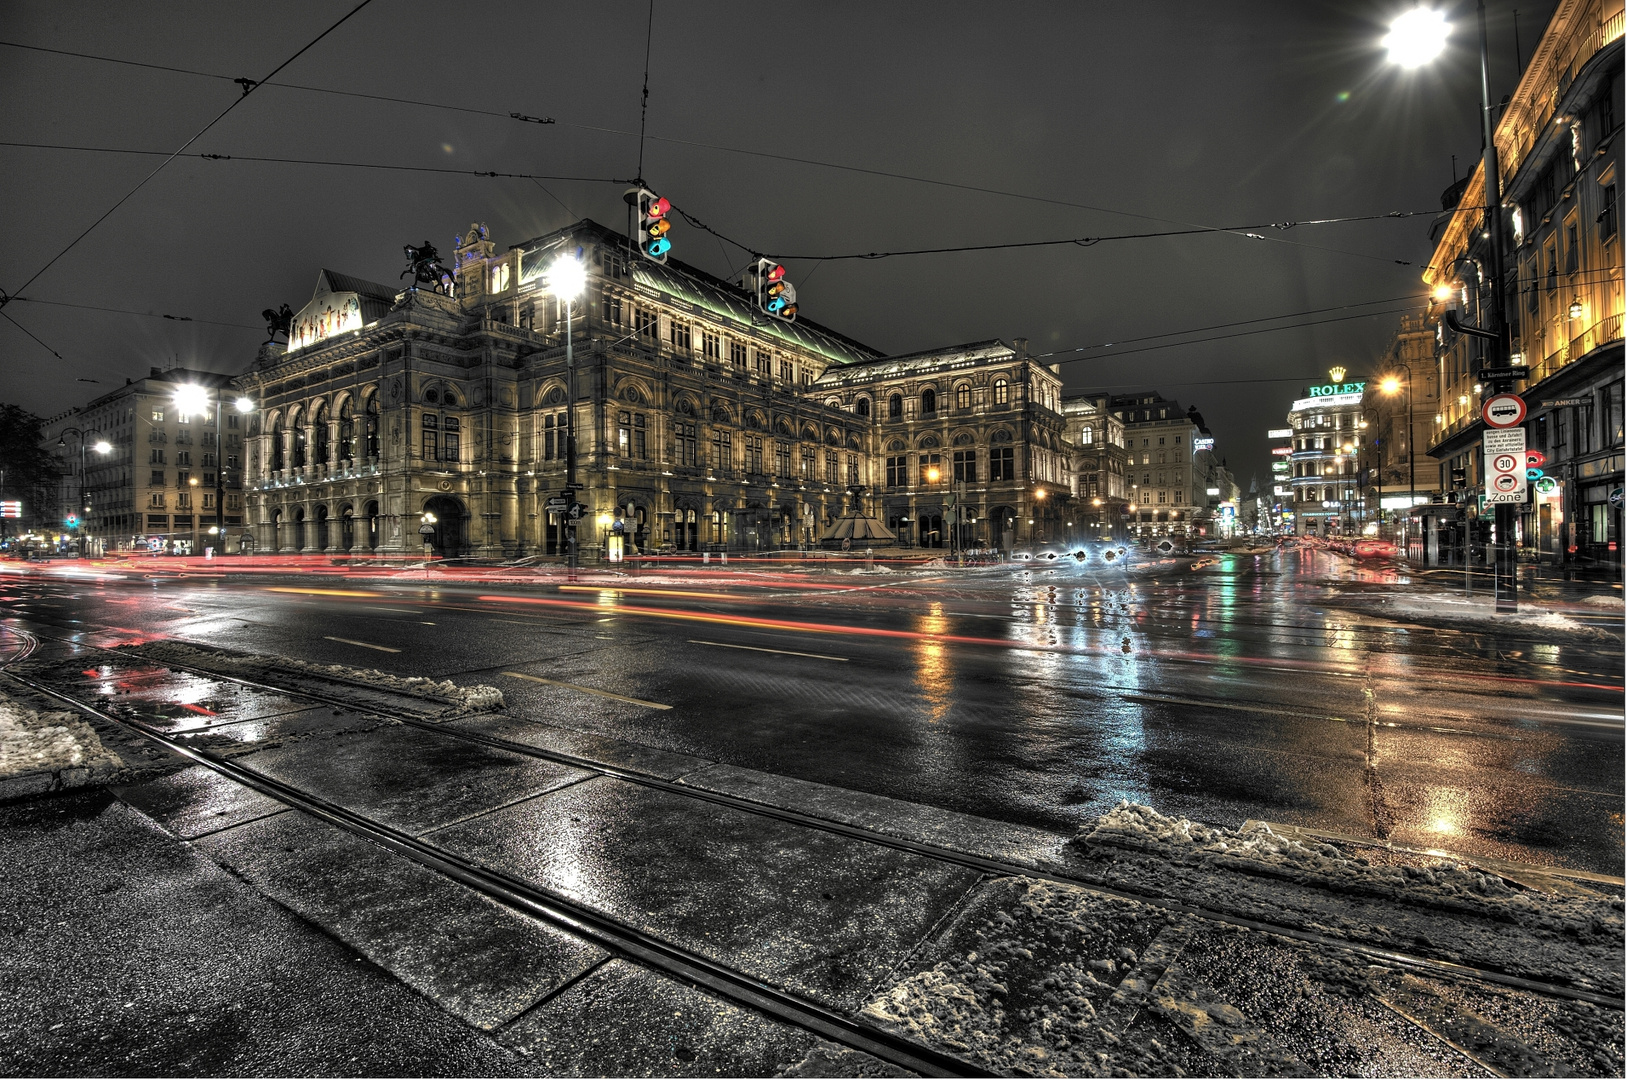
x=1504, y=580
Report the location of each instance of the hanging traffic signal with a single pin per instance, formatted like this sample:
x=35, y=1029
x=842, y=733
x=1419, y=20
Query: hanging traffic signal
x=71, y=521
x=775, y=296
x=650, y=231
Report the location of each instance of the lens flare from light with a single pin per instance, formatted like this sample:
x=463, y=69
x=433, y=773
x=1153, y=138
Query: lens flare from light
x=1416, y=37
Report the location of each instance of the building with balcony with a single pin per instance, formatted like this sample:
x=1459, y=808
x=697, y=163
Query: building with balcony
x=1177, y=482
x=1325, y=469
x=968, y=438
x=1559, y=157
x=156, y=489
x=1101, y=465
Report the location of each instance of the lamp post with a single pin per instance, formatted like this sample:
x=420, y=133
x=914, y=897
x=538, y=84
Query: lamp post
x=1391, y=384
x=191, y=399
x=1416, y=38
x=101, y=446
x=567, y=278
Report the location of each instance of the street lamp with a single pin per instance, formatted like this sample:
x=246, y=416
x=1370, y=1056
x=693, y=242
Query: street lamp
x=101, y=446
x=1391, y=384
x=566, y=279
x=1417, y=37
x=190, y=399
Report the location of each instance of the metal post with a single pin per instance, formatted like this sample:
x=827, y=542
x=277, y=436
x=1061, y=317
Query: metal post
x=1503, y=569
x=570, y=443
x=220, y=475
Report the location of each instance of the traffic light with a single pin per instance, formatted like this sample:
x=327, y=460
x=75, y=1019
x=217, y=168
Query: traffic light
x=71, y=521
x=774, y=295
x=651, y=229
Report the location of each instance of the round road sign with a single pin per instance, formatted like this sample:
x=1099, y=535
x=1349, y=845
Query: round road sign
x=1503, y=410
x=1535, y=459
x=1504, y=463
x=1505, y=482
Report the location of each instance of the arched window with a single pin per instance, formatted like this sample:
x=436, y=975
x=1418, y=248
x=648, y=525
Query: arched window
x=371, y=413
x=279, y=459
x=319, y=436
x=963, y=396
x=863, y=407
x=297, y=423
x=347, y=432
x=929, y=401
x=1002, y=392
x=895, y=407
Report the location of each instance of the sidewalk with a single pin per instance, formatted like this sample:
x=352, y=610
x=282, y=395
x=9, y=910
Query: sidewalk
x=182, y=923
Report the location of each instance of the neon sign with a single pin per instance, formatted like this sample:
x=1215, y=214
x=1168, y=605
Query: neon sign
x=1332, y=389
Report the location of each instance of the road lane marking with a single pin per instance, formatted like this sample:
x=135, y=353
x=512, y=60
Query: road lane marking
x=363, y=644
x=402, y=610
x=588, y=690
x=758, y=648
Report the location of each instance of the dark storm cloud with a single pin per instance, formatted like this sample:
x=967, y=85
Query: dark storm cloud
x=1215, y=114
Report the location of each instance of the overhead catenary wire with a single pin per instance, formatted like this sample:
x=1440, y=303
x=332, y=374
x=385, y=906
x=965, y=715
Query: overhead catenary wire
x=132, y=311
x=642, y=136
x=263, y=159
x=249, y=87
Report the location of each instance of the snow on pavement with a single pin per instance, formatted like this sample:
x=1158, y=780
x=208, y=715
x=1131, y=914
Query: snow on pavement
x=460, y=698
x=49, y=751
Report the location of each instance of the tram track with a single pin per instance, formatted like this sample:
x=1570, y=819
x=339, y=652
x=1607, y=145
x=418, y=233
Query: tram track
x=983, y=864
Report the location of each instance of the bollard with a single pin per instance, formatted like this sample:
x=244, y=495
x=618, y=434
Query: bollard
x=706, y=557
x=869, y=559
x=725, y=557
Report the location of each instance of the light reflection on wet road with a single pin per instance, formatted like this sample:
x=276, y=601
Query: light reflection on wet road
x=1039, y=696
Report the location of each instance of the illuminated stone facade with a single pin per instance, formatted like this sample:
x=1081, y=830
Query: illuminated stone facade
x=701, y=424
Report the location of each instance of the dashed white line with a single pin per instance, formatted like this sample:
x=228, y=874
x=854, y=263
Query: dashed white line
x=757, y=648
x=362, y=644
x=588, y=690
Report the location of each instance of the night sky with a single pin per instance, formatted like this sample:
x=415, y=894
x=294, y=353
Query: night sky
x=1128, y=118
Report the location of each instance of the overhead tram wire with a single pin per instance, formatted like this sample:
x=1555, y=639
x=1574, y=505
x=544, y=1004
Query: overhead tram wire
x=131, y=311
x=1249, y=230
x=249, y=86
x=642, y=136
x=261, y=159
x=1229, y=325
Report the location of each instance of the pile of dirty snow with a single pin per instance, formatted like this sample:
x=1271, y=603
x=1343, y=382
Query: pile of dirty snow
x=462, y=698
x=1258, y=850
x=1468, y=609
x=49, y=751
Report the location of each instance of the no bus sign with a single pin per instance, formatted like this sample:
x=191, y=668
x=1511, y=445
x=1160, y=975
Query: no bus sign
x=1503, y=410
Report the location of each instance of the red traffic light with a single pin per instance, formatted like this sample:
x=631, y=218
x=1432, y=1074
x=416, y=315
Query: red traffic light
x=775, y=272
x=657, y=208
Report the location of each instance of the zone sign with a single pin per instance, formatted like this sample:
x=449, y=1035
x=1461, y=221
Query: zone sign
x=1503, y=410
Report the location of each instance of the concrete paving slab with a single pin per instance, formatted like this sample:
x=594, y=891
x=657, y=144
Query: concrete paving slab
x=198, y=800
x=625, y=1020
x=820, y=914
x=894, y=817
x=475, y=958
x=410, y=778
x=129, y=954
x=545, y=736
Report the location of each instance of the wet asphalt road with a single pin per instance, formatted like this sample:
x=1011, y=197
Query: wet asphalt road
x=1041, y=697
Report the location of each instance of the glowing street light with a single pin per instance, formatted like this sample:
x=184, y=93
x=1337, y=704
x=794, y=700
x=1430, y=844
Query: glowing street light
x=245, y=405
x=1416, y=37
x=102, y=446
x=567, y=278
x=191, y=399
